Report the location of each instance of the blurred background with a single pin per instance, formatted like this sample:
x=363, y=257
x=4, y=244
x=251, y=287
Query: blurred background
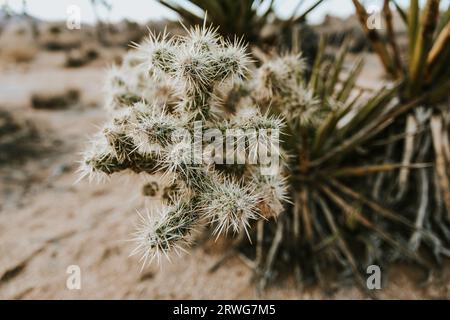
x=53, y=59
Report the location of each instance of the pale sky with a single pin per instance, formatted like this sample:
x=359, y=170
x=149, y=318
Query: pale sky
x=144, y=10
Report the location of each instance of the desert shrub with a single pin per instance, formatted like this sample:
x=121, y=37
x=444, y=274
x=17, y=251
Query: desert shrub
x=55, y=29
x=20, y=53
x=17, y=48
x=80, y=57
x=75, y=59
x=57, y=38
x=56, y=45
x=18, y=138
x=55, y=101
x=91, y=54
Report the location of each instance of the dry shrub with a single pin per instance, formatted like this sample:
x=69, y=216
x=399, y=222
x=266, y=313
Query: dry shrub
x=55, y=101
x=75, y=59
x=80, y=57
x=92, y=53
x=17, y=49
x=20, y=53
x=55, y=29
x=17, y=138
x=18, y=44
x=57, y=38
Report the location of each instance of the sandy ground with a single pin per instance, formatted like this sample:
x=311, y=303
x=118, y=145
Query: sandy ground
x=48, y=223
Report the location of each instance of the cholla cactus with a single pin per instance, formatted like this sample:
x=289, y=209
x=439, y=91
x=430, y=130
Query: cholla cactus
x=153, y=131
x=170, y=229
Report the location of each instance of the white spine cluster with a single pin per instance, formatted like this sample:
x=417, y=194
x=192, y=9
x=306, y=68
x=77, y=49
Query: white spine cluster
x=230, y=204
x=162, y=231
x=282, y=83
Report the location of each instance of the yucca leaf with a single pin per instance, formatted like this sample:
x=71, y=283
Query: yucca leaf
x=352, y=210
x=349, y=106
x=440, y=47
x=337, y=68
x=424, y=40
x=313, y=81
x=377, y=208
x=413, y=25
x=302, y=17
x=324, y=131
x=341, y=242
x=392, y=40
x=368, y=131
x=349, y=83
x=186, y=14
x=373, y=107
x=402, y=12
x=445, y=18
x=428, y=49
x=370, y=169
x=349, y=144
